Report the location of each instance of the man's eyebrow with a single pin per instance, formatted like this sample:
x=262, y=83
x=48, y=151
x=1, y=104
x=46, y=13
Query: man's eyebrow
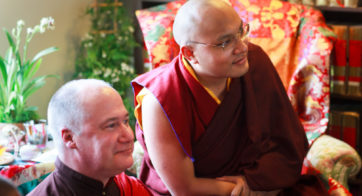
x=116, y=118
x=126, y=115
x=110, y=120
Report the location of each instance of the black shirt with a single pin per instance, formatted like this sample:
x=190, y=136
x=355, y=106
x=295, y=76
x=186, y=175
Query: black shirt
x=66, y=182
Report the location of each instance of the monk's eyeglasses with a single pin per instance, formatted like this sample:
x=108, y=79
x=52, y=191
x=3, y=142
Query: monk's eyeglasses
x=241, y=35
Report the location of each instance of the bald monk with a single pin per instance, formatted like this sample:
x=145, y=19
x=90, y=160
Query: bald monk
x=89, y=124
x=217, y=120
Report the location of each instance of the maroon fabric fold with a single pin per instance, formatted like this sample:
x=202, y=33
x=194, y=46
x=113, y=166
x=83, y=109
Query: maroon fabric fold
x=225, y=141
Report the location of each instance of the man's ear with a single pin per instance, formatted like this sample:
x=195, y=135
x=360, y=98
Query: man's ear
x=188, y=53
x=68, y=138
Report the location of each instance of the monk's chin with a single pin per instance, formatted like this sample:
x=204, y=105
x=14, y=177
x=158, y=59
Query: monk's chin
x=239, y=70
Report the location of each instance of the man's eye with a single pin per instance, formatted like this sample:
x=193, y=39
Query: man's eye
x=125, y=121
x=112, y=125
x=225, y=43
x=241, y=32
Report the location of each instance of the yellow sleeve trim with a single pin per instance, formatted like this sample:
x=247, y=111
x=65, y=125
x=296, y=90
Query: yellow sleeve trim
x=138, y=108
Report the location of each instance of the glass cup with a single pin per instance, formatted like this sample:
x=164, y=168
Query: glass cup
x=11, y=137
x=36, y=134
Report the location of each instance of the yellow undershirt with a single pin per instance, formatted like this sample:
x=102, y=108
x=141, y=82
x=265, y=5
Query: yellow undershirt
x=145, y=91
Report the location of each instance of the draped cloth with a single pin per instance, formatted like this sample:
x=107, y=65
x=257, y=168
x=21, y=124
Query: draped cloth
x=253, y=132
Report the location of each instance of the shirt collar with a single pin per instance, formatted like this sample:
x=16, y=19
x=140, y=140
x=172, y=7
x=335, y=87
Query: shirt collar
x=79, y=180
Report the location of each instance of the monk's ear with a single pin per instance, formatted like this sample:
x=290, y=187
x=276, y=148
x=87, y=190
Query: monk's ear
x=68, y=138
x=188, y=53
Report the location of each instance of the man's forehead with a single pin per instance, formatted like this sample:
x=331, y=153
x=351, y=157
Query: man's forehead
x=197, y=16
x=105, y=107
x=107, y=91
x=217, y=12
x=217, y=20
x=100, y=95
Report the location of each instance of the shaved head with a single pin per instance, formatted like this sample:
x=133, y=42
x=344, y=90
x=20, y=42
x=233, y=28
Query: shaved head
x=192, y=15
x=208, y=33
x=66, y=107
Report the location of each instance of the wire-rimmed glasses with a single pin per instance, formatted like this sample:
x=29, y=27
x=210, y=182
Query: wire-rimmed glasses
x=231, y=41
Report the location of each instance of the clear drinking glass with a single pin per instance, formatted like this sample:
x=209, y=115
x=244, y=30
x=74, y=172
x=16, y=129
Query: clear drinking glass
x=36, y=134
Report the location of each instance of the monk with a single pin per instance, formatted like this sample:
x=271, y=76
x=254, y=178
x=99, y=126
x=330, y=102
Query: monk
x=89, y=124
x=217, y=120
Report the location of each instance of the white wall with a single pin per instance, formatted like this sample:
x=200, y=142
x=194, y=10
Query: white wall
x=70, y=25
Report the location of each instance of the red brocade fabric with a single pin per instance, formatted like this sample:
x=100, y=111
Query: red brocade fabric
x=253, y=132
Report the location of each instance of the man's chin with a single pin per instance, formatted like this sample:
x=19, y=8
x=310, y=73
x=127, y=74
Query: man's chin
x=239, y=70
x=126, y=162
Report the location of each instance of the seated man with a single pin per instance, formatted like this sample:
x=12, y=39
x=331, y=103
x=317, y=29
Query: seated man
x=89, y=124
x=217, y=120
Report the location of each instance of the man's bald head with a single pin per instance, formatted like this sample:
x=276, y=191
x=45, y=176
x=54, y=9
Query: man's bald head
x=190, y=16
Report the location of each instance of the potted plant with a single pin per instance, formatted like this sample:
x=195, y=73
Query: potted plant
x=17, y=73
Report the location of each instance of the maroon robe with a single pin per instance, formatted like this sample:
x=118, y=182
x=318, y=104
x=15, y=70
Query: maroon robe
x=253, y=132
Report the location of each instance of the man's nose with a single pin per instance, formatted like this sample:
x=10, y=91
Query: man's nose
x=241, y=46
x=126, y=134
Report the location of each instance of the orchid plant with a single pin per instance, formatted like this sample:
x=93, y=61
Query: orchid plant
x=17, y=73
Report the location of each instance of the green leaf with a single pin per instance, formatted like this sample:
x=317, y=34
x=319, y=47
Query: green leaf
x=4, y=75
x=44, y=52
x=11, y=99
x=8, y=55
x=12, y=70
x=32, y=68
x=10, y=40
x=12, y=46
x=31, y=108
x=34, y=85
